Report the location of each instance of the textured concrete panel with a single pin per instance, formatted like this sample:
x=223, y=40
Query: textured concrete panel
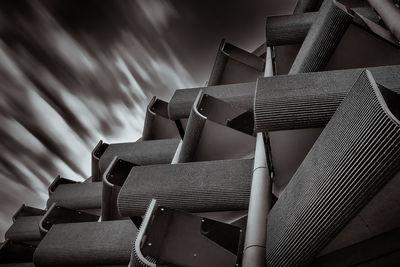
x=240, y=95
x=288, y=29
x=141, y=152
x=322, y=38
x=87, y=244
x=308, y=100
x=354, y=157
x=194, y=187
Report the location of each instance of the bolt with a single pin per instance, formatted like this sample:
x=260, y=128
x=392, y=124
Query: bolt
x=149, y=244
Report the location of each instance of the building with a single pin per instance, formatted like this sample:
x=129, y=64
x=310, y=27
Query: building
x=290, y=156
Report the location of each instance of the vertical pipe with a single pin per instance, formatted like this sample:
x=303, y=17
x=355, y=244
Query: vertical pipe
x=175, y=159
x=269, y=70
x=260, y=198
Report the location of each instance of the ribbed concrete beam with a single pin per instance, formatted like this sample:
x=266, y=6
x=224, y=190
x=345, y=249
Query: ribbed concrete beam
x=288, y=29
x=357, y=153
x=322, y=38
x=240, y=95
x=25, y=225
x=194, y=187
x=140, y=152
x=309, y=100
x=380, y=215
x=80, y=196
x=87, y=244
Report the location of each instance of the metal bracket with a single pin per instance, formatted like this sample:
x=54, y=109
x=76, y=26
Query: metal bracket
x=57, y=214
x=179, y=238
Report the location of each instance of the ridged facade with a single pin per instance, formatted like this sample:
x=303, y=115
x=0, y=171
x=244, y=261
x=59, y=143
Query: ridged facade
x=298, y=169
x=355, y=155
x=289, y=29
x=195, y=186
x=110, y=245
x=322, y=39
x=240, y=95
x=308, y=100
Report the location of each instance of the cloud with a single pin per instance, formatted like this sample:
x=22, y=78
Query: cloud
x=158, y=12
x=63, y=90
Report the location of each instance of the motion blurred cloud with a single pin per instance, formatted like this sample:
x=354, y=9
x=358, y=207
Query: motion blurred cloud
x=61, y=93
x=74, y=72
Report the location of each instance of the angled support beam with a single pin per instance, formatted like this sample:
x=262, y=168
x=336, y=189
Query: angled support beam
x=234, y=65
x=322, y=38
x=113, y=179
x=217, y=130
x=354, y=157
x=157, y=124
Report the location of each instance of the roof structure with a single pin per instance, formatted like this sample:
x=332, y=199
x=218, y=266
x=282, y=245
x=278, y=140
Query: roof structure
x=288, y=157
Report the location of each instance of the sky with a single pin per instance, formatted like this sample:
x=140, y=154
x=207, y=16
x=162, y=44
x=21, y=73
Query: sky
x=73, y=72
